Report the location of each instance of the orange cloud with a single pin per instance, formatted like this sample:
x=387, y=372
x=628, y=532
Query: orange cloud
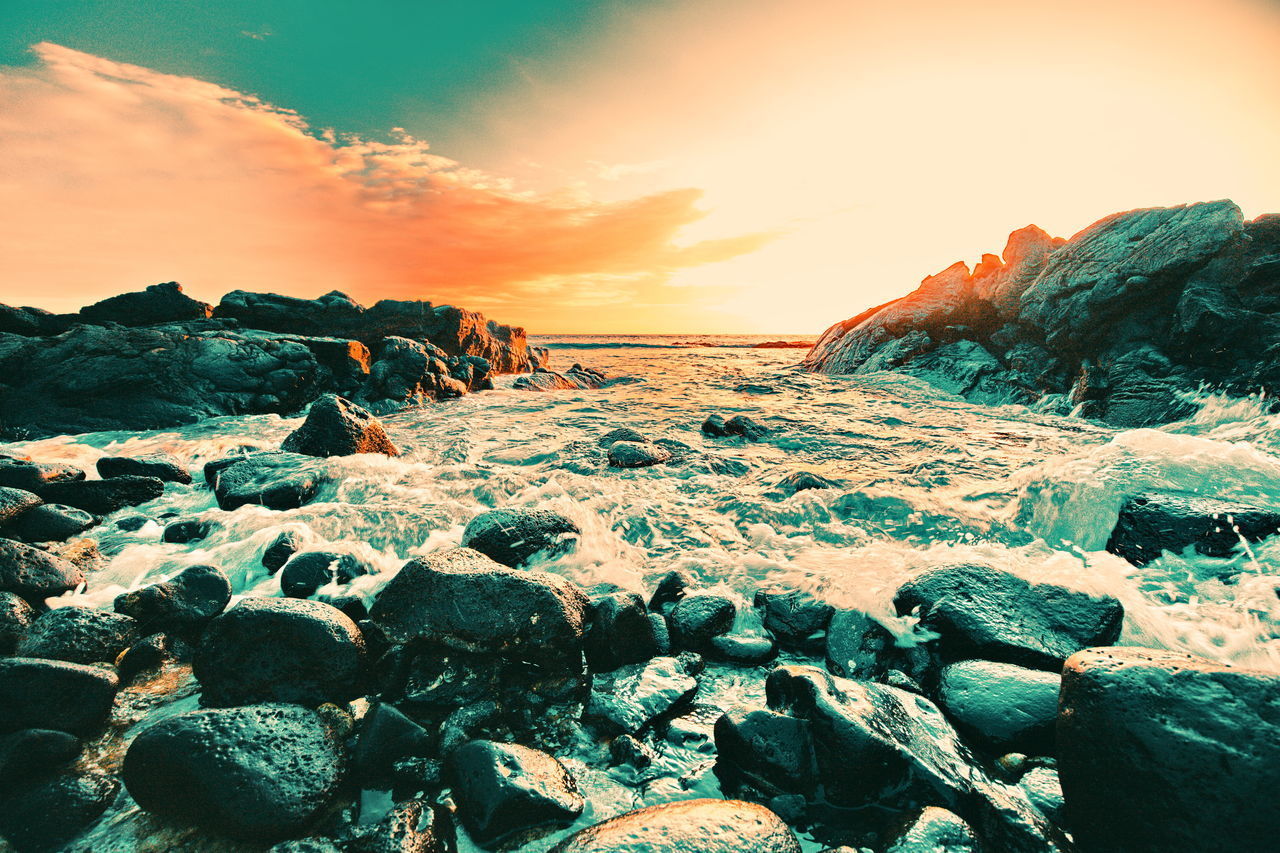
x=117, y=176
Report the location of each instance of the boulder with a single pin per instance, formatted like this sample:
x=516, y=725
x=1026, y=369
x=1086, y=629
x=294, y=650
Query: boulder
x=1045, y=792
x=1159, y=750
x=1151, y=524
x=696, y=618
x=307, y=572
x=68, y=697
x=258, y=773
x=1001, y=706
x=670, y=589
x=464, y=600
x=184, y=602
x=14, y=503
x=272, y=479
x=280, y=550
x=707, y=826
x=162, y=466
x=337, y=427
x=411, y=372
x=621, y=631
x=742, y=649
x=279, y=650
x=386, y=737
x=985, y=613
x=576, y=377
x=412, y=826
x=32, y=476
x=800, y=481
x=52, y=523
x=186, y=532
x=631, y=697
x=15, y=616
x=504, y=788
x=935, y=829
x=78, y=635
x=772, y=751
x=860, y=647
x=159, y=303
x=635, y=454
x=515, y=536
x=44, y=816
x=738, y=425
x=795, y=617
x=34, y=752
x=103, y=497
x=34, y=574
x=621, y=434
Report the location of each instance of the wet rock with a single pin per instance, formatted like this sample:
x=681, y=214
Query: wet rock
x=633, y=696
x=132, y=523
x=278, y=552
x=162, y=466
x=935, y=829
x=414, y=826
x=148, y=654
x=186, y=532
x=772, y=751
x=33, y=476
x=15, y=615
x=739, y=425
x=800, y=481
x=307, y=572
x=515, y=536
x=33, y=752
x=984, y=613
x=1002, y=706
x=621, y=631
x=47, y=815
x=182, y=603
x=1164, y=751
x=52, y=523
x=1149, y=525
x=387, y=736
x=78, y=635
x=576, y=377
x=1045, y=792
x=696, y=618
x=635, y=454
x=670, y=589
x=68, y=697
x=279, y=650
x=257, y=773
x=34, y=574
x=795, y=617
x=707, y=826
x=159, y=303
x=15, y=502
x=274, y=480
x=410, y=372
x=742, y=649
x=504, y=788
x=621, y=434
x=624, y=749
x=338, y=427
x=103, y=497
x=464, y=600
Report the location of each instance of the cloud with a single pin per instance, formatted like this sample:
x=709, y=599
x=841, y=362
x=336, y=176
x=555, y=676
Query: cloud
x=117, y=176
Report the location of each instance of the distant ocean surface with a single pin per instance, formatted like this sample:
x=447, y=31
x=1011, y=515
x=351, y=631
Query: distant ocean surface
x=661, y=341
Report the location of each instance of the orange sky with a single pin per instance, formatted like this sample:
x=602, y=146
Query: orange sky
x=720, y=166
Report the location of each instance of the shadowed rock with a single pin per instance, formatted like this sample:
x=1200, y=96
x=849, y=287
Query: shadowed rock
x=162, y=466
x=68, y=697
x=48, y=814
x=505, y=788
x=52, y=523
x=79, y=635
x=103, y=497
x=514, y=536
x=1149, y=525
x=159, y=303
x=184, y=602
x=34, y=574
x=338, y=427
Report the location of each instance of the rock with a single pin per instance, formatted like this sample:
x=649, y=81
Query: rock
x=985, y=613
x=33, y=476
x=707, y=826
x=48, y=694
x=338, y=427
x=15, y=615
x=148, y=654
x=47, y=815
x=33, y=752
x=622, y=631
x=1151, y=524
x=621, y=434
x=1001, y=706
x=935, y=829
x=624, y=749
x=575, y=378
x=257, y=773
x=631, y=697
x=132, y=523
x=464, y=600
x=504, y=788
x=185, y=532
x=1159, y=750
x=800, y=481
x=315, y=654
x=78, y=635
x=671, y=588
x=34, y=574
x=278, y=552
x=795, y=617
x=414, y=826
x=1045, y=792
x=103, y=497
x=772, y=751
x=513, y=537
x=696, y=618
x=307, y=572
x=14, y=503
x=159, y=303
x=52, y=523
x=635, y=454
x=387, y=736
x=184, y=602
x=739, y=425
x=742, y=649
x=274, y=480
x=162, y=466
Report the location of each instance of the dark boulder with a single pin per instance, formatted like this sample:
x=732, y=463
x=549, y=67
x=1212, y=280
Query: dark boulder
x=630, y=698
x=272, y=479
x=1045, y=792
x=46, y=815
x=696, y=618
x=621, y=434
x=103, y=497
x=149, y=654
x=386, y=737
x=504, y=788
x=1001, y=706
x=622, y=630
x=34, y=752
x=412, y=826
x=1159, y=750
x=15, y=616
x=52, y=523
x=159, y=303
x=337, y=427
x=162, y=466
x=34, y=574
x=279, y=551
x=935, y=829
x=307, y=572
x=795, y=617
x=800, y=481
x=742, y=649
x=707, y=826
x=257, y=773
x=636, y=454
x=78, y=635
x=68, y=697
x=32, y=476
x=464, y=600
x=985, y=613
x=513, y=537
x=279, y=650
x=14, y=503
x=1151, y=524
x=739, y=425
x=186, y=532
x=182, y=603
x=670, y=589
x=576, y=377
x=772, y=751
x=408, y=371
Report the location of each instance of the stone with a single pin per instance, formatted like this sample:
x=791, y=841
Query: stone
x=78, y=635
x=14, y=503
x=412, y=826
x=696, y=618
x=742, y=649
x=1151, y=524
x=670, y=589
x=33, y=752
x=307, y=572
x=1045, y=792
x=635, y=454
x=1001, y=706
x=148, y=655
x=33, y=476
x=279, y=650
x=514, y=537
x=279, y=551
x=52, y=523
x=707, y=826
x=800, y=481
x=982, y=612
x=621, y=434
x=1159, y=750
x=184, y=602
x=935, y=829
x=387, y=736
x=272, y=479
x=44, y=816
x=15, y=616
x=103, y=497
x=738, y=425
x=462, y=599
x=257, y=773
x=621, y=631
x=337, y=427
x=504, y=788
x=159, y=303
x=576, y=377
x=186, y=532
x=34, y=574
x=162, y=466
x=772, y=751
x=68, y=697
x=630, y=698
x=795, y=617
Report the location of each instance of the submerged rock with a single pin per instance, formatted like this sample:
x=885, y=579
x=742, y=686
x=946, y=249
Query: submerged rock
x=505, y=788
x=184, y=602
x=576, y=377
x=707, y=826
x=275, y=480
x=68, y=697
x=34, y=574
x=257, y=773
x=738, y=425
x=515, y=536
x=1149, y=525
x=307, y=572
x=338, y=427
x=279, y=551
x=186, y=532
x=635, y=454
x=162, y=466
x=1162, y=751
x=800, y=481
x=79, y=635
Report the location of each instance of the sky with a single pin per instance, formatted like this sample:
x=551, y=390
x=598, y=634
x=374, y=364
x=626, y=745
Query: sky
x=752, y=166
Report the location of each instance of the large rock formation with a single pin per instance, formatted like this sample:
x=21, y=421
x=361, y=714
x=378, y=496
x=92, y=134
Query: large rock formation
x=1120, y=319
x=157, y=358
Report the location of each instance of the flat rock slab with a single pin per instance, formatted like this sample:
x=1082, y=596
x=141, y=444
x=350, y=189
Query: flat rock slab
x=1149, y=525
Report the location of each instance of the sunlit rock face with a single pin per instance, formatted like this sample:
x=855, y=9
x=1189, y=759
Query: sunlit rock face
x=1119, y=320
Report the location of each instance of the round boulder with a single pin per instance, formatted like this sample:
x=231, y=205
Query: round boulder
x=162, y=466
x=187, y=600
x=1001, y=706
x=338, y=427
x=48, y=694
x=514, y=536
x=78, y=635
x=53, y=523
x=637, y=454
x=34, y=574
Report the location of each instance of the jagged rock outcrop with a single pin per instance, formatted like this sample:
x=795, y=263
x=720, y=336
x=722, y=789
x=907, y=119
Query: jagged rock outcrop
x=157, y=358
x=1120, y=319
